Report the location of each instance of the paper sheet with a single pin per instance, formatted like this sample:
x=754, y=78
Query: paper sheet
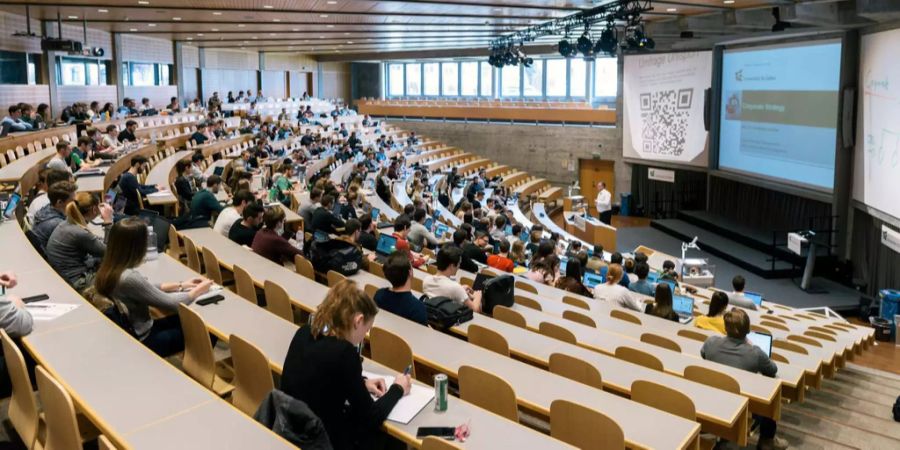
x=48, y=310
x=409, y=406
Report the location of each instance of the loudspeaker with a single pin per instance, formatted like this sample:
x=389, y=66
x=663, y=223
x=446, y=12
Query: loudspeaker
x=848, y=117
x=707, y=108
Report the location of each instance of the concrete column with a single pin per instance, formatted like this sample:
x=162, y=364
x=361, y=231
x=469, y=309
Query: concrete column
x=178, y=69
x=117, y=73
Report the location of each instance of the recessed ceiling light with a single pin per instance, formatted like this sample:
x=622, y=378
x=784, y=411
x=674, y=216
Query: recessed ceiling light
x=728, y=2
x=73, y=17
x=276, y=20
x=346, y=34
x=246, y=42
x=671, y=9
x=176, y=18
x=332, y=2
x=295, y=29
x=329, y=26
x=369, y=39
x=151, y=24
x=268, y=6
x=271, y=34
x=132, y=29
x=321, y=37
x=498, y=9
x=217, y=13
x=349, y=42
x=324, y=16
x=240, y=25
x=255, y=37
x=103, y=10
x=142, y=2
x=199, y=34
x=215, y=29
x=190, y=39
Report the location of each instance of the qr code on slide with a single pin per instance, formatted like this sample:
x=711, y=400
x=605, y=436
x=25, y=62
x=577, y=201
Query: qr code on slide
x=664, y=115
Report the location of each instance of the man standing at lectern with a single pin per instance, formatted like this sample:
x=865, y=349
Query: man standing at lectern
x=604, y=203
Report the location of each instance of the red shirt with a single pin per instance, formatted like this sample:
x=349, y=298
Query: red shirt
x=501, y=263
x=403, y=246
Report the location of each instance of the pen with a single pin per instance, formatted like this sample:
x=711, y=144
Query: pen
x=407, y=370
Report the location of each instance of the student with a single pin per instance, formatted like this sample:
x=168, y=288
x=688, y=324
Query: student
x=662, y=304
x=13, y=122
x=60, y=159
x=444, y=284
x=14, y=318
x=183, y=186
x=573, y=249
x=232, y=214
x=474, y=251
x=73, y=251
x=642, y=286
x=199, y=136
x=398, y=299
x=401, y=229
x=323, y=369
x=613, y=292
x=714, y=320
x=544, y=270
x=517, y=254
x=628, y=265
x=736, y=351
x=46, y=178
x=616, y=258
x=572, y=280
x=47, y=218
x=514, y=237
x=324, y=219
x=244, y=230
x=127, y=135
x=307, y=208
x=366, y=238
x=270, y=242
x=204, y=204
x=737, y=297
x=498, y=233
x=418, y=234
x=118, y=279
x=501, y=260
x=131, y=188
x=668, y=272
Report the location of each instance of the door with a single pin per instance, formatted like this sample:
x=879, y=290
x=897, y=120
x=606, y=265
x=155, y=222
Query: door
x=591, y=172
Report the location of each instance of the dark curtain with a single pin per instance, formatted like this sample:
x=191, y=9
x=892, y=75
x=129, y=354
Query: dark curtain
x=658, y=199
x=874, y=265
x=766, y=209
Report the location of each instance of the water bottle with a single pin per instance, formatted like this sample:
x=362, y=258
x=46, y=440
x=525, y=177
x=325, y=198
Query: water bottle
x=152, y=253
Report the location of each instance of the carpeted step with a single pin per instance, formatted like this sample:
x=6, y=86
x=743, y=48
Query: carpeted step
x=874, y=420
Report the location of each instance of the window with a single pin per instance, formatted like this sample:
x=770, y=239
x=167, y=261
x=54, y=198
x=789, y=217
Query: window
x=414, y=79
x=606, y=77
x=469, y=79
x=450, y=78
x=82, y=72
x=164, y=75
x=432, y=79
x=142, y=74
x=556, y=77
x=533, y=79
x=510, y=81
x=577, y=77
x=487, y=80
x=395, y=79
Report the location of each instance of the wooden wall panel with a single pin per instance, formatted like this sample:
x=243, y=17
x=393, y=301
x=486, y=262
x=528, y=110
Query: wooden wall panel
x=273, y=83
x=159, y=95
x=147, y=49
x=191, y=56
x=12, y=23
x=289, y=61
x=87, y=94
x=334, y=80
x=23, y=93
x=95, y=38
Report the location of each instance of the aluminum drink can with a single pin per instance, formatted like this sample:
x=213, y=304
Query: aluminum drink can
x=440, y=392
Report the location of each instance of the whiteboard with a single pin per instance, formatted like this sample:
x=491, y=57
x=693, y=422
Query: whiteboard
x=876, y=180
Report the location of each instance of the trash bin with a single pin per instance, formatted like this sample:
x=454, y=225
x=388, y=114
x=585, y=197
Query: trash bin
x=890, y=299
x=625, y=205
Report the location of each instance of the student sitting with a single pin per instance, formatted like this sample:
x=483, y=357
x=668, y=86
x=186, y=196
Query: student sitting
x=232, y=214
x=119, y=280
x=308, y=208
x=444, y=284
x=323, y=369
x=366, y=238
x=130, y=186
x=544, y=270
x=183, y=186
x=270, y=243
x=642, y=286
x=662, y=304
x=73, y=251
x=52, y=214
x=613, y=292
x=714, y=319
x=324, y=219
x=401, y=229
x=204, y=204
x=617, y=258
x=60, y=160
x=14, y=318
x=517, y=254
x=473, y=251
x=46, y=178
x=398, y=299
x=501, y=260
x=418, y=234
x=737, y=297
x=572, y=281
x=199, y=136
x=244, y=230
x=736, y=351
x=596, y=262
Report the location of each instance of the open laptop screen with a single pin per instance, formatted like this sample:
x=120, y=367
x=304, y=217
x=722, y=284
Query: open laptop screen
x=11, y=206
x=440, y=230
x=592, y=279
x=683, y=305
x=757, y=298
x=386, y=244
x=375, y=213
x=761, y=340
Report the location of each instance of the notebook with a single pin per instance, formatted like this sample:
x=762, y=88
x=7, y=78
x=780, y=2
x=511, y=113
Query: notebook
x=409, y=405
x=761, y=340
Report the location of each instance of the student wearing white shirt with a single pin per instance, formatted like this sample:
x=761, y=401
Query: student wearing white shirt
x=603, y=203
x=444, y=283
x=737, y=298
x=58, y=162
x=233, y=213
x=614, y=293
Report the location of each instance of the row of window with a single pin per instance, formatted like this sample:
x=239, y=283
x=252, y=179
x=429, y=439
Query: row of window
x=550, y=78
x=23, y=68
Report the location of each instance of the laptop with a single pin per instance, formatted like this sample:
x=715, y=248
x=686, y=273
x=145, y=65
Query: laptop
x=375, y=214
x=592, y=279
x=429, y=222
x=653, y=277
x=386, y=245
x=478, y=284
x=562, y=264
x=10, y=211
x=684, y=307
x=321, y=236
x=524, y=236
x=440, y=230
x=761, y=340
x=672, y=284
x=218, y=170
x=757, y=298
x=508, y=230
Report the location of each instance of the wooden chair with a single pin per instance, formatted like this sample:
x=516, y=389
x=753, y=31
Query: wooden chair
x=376, y=269
x=510, y=316
x=823, y=330
x=175, y=249
x=773, y=318
x=664, y=399
x=23, y=410
x=198, y=360
x=417, y=285
x=193, y=257
x=691, y=334
x=820, y=335
x=487, y=338
x=391, y=350
x=466, y=281
x=213, y=270
x=583, y=427
x=804, y=340
x=659, y=341
x=252, y=375
x=59, y=413
x=779, y=358
x=639, y=357
x=527, y=302
x=436, y=443
x=104, y=444
x=488, y=391
x=334, y=278
x=774, y=325
x=576, y=302
x=575, y=369
x=370, y=290
x=557, y=332
x=789, y=346
x=526, y=287
x=580, y=318
x=712, y=378
x=759, y=329
x=278, y=301
x=244, y=285
x=304, y=267
x=622, y=315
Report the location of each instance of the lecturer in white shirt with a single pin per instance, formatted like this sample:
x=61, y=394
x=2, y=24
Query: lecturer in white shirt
x=604, y=203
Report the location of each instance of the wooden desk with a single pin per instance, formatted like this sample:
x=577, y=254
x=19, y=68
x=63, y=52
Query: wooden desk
x=529, y=187
x=99, y=184
x=587, y=229
x=24, y=171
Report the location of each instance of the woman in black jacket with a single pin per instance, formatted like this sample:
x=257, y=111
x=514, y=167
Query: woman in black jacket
x=662, y=303
x=324, y=369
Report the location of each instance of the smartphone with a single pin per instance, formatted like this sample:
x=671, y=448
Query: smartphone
x=35, y=298
x=212, y=299
x=442, y=432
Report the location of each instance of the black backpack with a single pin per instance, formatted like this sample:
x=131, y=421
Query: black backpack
x=498, y=291
x=337, y=255
x=444, y=313
x=896, y=410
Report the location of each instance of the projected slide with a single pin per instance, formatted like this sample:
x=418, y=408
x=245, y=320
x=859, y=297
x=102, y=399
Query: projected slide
x=779, y=111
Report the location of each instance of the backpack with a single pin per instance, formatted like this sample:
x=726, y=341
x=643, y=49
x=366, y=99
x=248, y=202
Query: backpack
x=896, y=410
x=498, y=291
x=444, y=313
x=337, y=255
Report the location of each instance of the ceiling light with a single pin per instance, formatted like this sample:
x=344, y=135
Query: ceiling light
x=295, y=29
x=142, y=2
x=268, y=6
x=199, y=34
x=324, y=16
x=73, y=17
x=346, y=34
x=215, y=29
x=276, y=20
x=271, y=34
x=729, y=2
x=217, y=13
x=332, y=2
x=103, y=10
x=176, y=18
x=349, y=42
x=254, y=37
x=132, y=29
x=584, y=45
x=671, y=9
x=190, y=39
x=321, y=37
x=240, y=25
x=329, y=26
x=151, y=24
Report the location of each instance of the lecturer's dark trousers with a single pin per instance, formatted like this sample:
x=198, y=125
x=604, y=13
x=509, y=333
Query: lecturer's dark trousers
x=606, y=217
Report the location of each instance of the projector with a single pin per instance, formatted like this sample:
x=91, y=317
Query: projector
x=61, y=45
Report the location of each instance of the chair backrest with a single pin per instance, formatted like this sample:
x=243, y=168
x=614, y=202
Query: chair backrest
x=527, y=302
x=488, y=391
x=334, y=277
x=376, y=269
x=580, y=318
x=278, y=301
x=417, y=284
x=304, y=267
x=59, y=413
x=252, y=375
x=759, y=329
x=639, y=357
x=510, y=316
x=436, y=443
x=772, y=318
x=714, y=378
x=820, y=335
x=804, y=340
x=775, y=325
x=391, y=350
x=823, y=330
x=779, y=358
x=198, y=360
x=527, y=287
x=487, y=338
x=659, y=341
x=663, y=398
x=557, y=332
x=789, y=346
x=370, y=290
x=175, y=250
x=193, y=258
x=23, y=410
x=576, y=302
x=211, y=262
x=244, y=285
x=103, y=443
x=691, y=334
x=622, y=315
x=575, y=369
x=583, y=427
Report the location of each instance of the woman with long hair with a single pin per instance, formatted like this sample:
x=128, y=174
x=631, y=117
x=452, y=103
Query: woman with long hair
x=119, y=280
x=517, y=253
x=544, y=270
x=662, y=303
x=572, y=281
x=324, y=369
x=73, y=250
x=714, y=319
